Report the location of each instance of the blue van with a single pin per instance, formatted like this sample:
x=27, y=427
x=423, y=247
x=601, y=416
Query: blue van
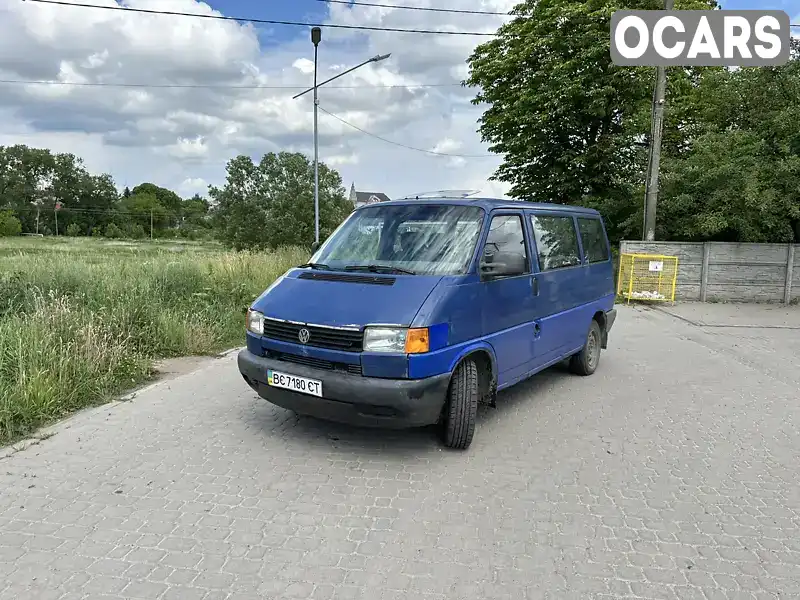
x=414, y=311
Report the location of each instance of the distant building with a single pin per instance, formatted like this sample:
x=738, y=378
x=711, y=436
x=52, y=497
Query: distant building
x=362, y=198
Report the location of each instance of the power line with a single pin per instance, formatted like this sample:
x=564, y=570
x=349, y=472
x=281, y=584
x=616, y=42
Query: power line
x=221, y=87
x=423, y=8
x=338, y=118
x=260, y=21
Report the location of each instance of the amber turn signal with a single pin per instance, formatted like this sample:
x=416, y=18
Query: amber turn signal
x=417, y=341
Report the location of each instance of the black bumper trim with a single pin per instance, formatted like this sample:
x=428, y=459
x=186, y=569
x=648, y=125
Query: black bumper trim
x=351, y=399
x=611, y=316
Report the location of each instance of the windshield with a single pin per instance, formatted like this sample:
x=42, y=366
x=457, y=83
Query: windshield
x=420, y=238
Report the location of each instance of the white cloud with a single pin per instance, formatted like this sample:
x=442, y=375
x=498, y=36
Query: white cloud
x=183, y=137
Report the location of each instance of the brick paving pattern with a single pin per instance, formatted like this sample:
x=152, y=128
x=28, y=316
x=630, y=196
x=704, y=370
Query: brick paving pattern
x=673, y=472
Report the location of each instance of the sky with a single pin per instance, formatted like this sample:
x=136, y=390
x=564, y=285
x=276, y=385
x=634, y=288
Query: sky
x=182, y=138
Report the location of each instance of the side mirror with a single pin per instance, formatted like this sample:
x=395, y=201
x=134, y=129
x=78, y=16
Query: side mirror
x=503, y=264
x=314, y=247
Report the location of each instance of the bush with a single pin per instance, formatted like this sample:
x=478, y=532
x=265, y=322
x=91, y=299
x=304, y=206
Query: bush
x=112, y=231
x=136, y=232
x=9, y=224
x=73, y=230
x=97, y=232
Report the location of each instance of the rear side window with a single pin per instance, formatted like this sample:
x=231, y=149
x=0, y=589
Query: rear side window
x=556, y=242
x=594, y=240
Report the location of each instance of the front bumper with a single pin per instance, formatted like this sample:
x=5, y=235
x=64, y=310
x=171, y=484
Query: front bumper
x=351, y=399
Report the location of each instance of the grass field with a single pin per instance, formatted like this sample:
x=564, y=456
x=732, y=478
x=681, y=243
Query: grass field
x=82, y=319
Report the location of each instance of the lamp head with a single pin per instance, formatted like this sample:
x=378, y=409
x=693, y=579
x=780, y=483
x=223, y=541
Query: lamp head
x=316, y=35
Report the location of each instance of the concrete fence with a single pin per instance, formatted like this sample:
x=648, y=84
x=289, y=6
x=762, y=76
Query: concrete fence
x=726, y=272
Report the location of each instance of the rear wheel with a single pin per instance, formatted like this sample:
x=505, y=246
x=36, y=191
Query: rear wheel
x=586, y=361
x=462, y=406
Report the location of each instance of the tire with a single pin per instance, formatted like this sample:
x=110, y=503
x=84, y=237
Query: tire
x=586, y=361
x=461, y=408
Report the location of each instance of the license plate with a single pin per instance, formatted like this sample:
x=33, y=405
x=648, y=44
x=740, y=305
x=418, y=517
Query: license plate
x=295, y=383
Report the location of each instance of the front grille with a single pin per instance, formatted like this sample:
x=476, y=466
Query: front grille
x=320, y=337
x=345, y=278
x=316, y=363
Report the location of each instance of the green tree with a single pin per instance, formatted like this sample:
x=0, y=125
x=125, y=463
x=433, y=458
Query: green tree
x=739, y=179
x=270, y=204
x=166, y=198
x=9, y=224
x=568, y=122
x=194, y=211
x=139, y=207
x=32, y=179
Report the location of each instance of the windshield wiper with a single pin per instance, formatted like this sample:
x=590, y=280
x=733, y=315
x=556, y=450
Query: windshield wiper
x=379, y=269
x=315, y=266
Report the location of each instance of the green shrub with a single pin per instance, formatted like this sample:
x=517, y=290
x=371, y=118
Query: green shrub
x=112, y=231
x=9, y=224
x=73, y=230
x=136, y=232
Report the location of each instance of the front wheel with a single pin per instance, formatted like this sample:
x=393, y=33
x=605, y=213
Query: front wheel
x=585, y=362
x=462, y=406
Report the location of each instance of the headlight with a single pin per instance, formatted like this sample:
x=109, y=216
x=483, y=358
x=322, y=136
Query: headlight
x=398, y=340
x=255, y=322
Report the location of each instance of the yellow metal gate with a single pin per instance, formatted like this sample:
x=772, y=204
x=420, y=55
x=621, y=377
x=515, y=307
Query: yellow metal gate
x=650, y=277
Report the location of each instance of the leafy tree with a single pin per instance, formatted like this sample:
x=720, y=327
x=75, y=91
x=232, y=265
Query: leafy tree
x=32, y=180
x=195, y=210
x=739, y=179
x=9, y=224
x=138, y=208
x=166, y=198
x=73, y=230
x=568, y=122
x=271, y=203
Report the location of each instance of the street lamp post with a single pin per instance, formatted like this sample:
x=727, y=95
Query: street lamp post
x=316, y=37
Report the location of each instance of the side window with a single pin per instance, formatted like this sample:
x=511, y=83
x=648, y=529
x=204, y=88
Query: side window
x=556, y=242
x=594, y=240
x=505, y=253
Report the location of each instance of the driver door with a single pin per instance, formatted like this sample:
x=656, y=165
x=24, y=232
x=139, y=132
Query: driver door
x=508, y=307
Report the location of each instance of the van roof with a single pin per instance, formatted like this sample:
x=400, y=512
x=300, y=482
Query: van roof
x=490, y=204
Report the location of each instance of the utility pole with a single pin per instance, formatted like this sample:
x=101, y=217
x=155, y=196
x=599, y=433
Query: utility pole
x=654, y=161
x=38, y=208
x=151, y=224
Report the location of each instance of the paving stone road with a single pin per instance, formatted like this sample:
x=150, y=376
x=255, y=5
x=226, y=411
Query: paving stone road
x=673, y=472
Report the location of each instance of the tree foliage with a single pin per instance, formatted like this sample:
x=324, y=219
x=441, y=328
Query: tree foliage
x=573, y=128
x=271, y=203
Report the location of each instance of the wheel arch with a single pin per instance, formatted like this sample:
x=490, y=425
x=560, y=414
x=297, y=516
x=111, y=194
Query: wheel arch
x=484, y=356
x=602, y=321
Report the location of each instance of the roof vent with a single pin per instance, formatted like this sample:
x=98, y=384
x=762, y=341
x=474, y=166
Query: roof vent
x=442, y=194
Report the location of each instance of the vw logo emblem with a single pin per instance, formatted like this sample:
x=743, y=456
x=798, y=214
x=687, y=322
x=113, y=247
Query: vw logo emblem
x=303, y=335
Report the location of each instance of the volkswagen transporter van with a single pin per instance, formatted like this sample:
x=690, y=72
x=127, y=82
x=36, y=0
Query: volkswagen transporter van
x=414, y=311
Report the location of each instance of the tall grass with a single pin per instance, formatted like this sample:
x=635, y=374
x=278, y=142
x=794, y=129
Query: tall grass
x=82, y=321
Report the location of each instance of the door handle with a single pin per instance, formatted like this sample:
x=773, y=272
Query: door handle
x=535, y=283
